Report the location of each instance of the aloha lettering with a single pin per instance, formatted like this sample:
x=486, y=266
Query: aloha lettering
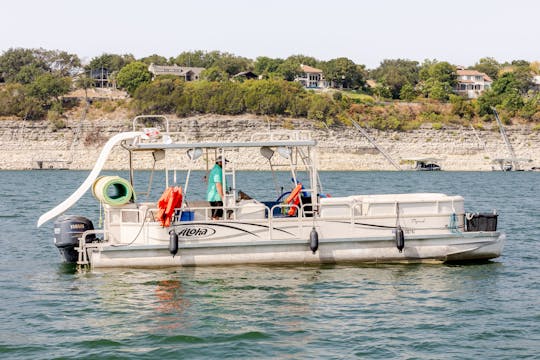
x=196, y=232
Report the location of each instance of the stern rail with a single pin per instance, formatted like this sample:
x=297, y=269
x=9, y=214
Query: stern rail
x=82, y=260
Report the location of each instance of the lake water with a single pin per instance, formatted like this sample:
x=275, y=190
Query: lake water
x=470, y=311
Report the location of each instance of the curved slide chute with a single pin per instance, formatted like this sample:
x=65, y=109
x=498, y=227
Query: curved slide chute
x=70, y=201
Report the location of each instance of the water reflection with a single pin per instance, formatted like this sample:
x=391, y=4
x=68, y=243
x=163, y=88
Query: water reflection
x=170, y=295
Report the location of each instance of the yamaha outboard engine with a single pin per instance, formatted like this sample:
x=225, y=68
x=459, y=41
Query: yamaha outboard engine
x=67, y=231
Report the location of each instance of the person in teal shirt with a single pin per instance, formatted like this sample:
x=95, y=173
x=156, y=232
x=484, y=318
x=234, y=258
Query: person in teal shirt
x=214, y=193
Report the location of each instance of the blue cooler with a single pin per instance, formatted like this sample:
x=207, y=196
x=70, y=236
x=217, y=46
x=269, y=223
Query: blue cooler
x=186, y=215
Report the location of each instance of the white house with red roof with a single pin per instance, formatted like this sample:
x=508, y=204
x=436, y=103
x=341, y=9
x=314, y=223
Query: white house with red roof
x=472, y=83
x=311, y=78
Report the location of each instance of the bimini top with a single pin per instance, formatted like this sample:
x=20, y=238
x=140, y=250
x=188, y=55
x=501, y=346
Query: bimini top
x=210, y=145
x=169, y=140
x=160, y=138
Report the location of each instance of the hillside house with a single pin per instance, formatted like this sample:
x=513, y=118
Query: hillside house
x=102, y=78
x=472, y=83
x=536, y=82
x=245, y=75
x=311, y=78
x=188, y=73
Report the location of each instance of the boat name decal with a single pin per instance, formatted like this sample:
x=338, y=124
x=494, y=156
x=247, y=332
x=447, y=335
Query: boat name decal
x=196, y=232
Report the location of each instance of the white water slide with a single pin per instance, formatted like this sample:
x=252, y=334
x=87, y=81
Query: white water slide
x=70, y=201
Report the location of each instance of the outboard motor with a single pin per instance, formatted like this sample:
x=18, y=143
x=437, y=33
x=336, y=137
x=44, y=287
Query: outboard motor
x=67, y=231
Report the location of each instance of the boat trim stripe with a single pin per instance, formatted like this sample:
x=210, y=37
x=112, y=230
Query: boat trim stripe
x=234, y=227
x=296, y=242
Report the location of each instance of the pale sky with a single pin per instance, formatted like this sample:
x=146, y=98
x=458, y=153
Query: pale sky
x=460, y=31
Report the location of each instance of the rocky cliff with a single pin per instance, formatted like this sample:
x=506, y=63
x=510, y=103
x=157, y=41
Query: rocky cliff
x=33, y=144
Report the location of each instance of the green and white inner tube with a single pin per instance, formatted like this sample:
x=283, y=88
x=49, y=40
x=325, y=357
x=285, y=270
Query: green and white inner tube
x=113, y=190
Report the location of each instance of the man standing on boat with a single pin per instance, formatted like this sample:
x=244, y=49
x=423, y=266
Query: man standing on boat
x=214, y=193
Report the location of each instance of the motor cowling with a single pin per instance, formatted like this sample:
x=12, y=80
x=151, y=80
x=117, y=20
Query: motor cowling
x=67, y=231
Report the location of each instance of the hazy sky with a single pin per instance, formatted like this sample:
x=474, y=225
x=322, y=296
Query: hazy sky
x=459, y=31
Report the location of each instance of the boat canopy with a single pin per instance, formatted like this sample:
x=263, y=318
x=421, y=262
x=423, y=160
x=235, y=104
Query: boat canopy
x=219, y=145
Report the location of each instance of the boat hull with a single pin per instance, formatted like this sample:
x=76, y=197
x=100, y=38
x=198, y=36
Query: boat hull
x=442, y=248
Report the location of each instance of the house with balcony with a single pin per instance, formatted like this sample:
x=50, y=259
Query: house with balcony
x=472, y=83
x=188, y=73
x=311, y=78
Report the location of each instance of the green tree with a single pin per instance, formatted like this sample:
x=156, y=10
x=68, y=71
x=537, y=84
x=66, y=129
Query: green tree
x=407, y=92
x=520, y=63
x=504, y=91
x=131, y=76
x=264, y=65
x=28, y=73
x=227, y=62
x=442, y=71
x=487, y=100
x=512, y=102
x=60, y=62
x=154, y=59
x=344, y=73
x=504, y=84
x=435, y=89
x=85, y=82
x=111, y=62
x=488, y=66
x=289, y=70
x=214, y=73
x=396, y=73
x=438, y=79
x=233, y=64
x=524, y=78
x=303, y=59
x=48, y=86
x=198, y=58
x=382, y=91
x=15, y=59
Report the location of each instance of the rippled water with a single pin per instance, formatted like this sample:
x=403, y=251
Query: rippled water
x=487, y=310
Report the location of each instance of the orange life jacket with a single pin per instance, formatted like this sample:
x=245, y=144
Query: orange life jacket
x=294, y=198
x=169, y=200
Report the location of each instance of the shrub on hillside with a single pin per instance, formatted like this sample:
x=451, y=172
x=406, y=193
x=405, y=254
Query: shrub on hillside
x=161, y=96
x=321, y=108
x=15, y=100
x=266, y=97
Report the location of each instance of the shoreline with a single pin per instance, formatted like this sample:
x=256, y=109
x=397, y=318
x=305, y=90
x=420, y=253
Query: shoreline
x=341, y=148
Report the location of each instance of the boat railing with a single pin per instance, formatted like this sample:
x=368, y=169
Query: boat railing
x=428, y=217
x=233, y=210
x=84, y=245
x=137, y=119
x=154, y=136
x=277, y=211
x=267, y=213
x=283, y=208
